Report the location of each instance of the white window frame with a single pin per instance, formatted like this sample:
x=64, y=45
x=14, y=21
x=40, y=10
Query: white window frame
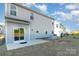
x=19, y=39
x=32, y=14
x=13, y=10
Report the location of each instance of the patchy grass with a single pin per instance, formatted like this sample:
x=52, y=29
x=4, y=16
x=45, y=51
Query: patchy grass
x=65, y=46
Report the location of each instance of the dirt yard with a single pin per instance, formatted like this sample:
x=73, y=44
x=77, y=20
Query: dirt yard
x=65, y=46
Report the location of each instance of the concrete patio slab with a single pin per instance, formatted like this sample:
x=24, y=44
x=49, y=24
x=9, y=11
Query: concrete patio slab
x=29, y=43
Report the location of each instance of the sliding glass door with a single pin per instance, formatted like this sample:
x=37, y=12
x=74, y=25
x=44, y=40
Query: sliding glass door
x=18, y=34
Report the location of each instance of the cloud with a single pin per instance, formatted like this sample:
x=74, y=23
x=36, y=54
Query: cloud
x=63, y=15
x=75, y=12
x=72, y=6
x=29, y=4
x=61, y=3
x=42, y=8
x=77, y=21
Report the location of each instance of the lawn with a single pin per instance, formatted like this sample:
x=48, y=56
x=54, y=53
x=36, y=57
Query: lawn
x=65, y=46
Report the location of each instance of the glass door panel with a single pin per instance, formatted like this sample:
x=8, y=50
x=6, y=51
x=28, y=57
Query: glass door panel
x=21, y=33
x=16, y=34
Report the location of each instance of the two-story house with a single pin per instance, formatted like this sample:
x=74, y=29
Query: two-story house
x=24, y=24
x=1, y=28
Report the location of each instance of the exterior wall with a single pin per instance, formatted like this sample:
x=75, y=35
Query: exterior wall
x=62, y=29
x=22, y=13
x=57, y=30
x=41, y=24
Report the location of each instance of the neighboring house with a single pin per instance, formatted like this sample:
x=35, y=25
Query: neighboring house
x=24, y=24
x=1, y=27
x=0, y=30
x=58, y=28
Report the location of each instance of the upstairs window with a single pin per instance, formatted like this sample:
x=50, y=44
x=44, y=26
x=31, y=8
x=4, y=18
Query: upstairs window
x=52, y=32
x=56, y=25
x=52, y=23
x=31, y=16
x=37, y=31
x=60, y=26
x=13, y=10
x=31, y=29
x=46, y=32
